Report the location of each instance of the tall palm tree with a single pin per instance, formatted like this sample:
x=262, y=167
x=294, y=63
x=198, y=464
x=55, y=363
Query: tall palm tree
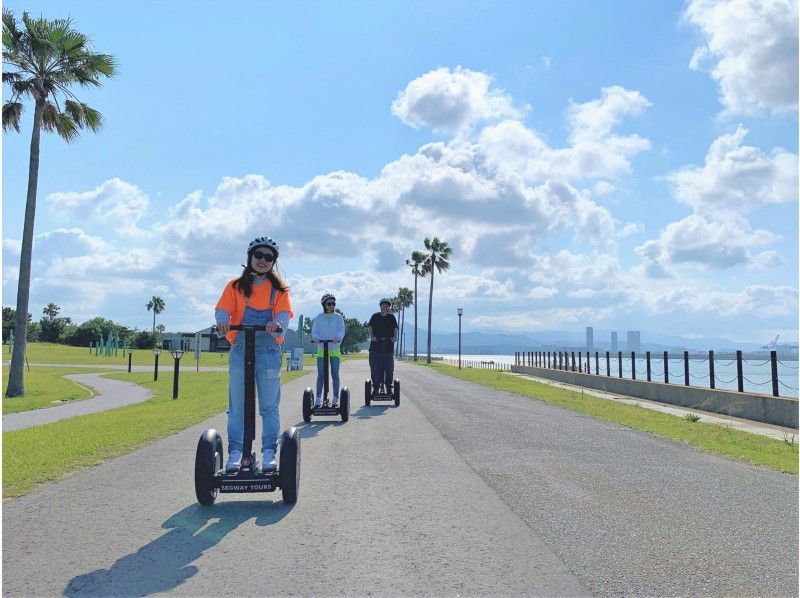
x=41, y=60
x=436, y=260
x=417, y=264
x=405, y=298
x=157, y=305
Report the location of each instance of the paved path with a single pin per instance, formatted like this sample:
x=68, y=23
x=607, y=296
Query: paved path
x=110, y=394
x=461, y=490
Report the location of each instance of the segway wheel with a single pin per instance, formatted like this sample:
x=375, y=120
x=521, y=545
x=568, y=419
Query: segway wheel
x=344, y=403
x=207, y=461
x=308, y=400
x=289, y=466
x=367, y=392
x=396, y=393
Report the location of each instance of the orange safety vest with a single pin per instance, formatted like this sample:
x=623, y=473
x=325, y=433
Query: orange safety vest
x=234, y=302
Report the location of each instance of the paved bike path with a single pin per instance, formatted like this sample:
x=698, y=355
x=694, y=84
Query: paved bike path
x=110, y=394
x=387, y=506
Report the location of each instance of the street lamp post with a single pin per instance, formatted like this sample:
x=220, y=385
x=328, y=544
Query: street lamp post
x=176, y=355
x=460, y=313
x=155, y=367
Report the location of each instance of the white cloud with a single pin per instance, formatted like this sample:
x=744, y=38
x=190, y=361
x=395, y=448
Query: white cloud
x=765, y=260
x=603, y=188
x=751, y=47
x=115, y=202
x=753, y=299
x=595, y=151
x=737, y=177
x=542, y=292
x=542, y=319
x=595, y=119
x=451, y=101
x=717, y=241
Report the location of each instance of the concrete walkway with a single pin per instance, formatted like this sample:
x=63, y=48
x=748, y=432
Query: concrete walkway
x=737, y=423
x=110, y=394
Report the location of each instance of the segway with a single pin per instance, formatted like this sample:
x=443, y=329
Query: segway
x=210, y=477
x=382, y=394
x=310, y=410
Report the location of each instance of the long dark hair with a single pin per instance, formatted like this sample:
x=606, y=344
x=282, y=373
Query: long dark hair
x=245, y=282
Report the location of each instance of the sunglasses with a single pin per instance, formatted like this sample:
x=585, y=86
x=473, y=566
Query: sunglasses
x=267, y=257
x=330, y=303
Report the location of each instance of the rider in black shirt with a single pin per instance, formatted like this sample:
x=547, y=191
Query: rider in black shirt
x=383, y=332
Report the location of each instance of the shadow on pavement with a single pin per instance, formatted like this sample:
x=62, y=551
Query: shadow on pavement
x=373, y=411
x=166, y=562
x=311, y=429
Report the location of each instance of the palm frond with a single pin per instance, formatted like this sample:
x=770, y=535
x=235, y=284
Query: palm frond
x=22, y=87
x=11, y=33
x=12, y=113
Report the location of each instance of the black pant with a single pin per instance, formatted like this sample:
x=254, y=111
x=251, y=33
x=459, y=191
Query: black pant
x=381, y=366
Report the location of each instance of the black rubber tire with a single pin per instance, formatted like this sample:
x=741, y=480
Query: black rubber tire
x=289, y=467
x=396, y=392
x=367, y=392
x=207, y=461
x=308, y=400
x=344, y=403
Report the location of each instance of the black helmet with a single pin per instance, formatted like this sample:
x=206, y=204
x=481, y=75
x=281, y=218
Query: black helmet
x=385, y=300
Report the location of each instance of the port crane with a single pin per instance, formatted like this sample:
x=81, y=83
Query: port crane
x=772, y=345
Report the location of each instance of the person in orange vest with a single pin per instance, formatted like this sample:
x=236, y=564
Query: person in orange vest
x=259, y=296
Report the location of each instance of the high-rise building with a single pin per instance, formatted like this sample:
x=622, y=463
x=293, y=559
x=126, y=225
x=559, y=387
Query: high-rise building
x=614, y=342
x=589, y=338
x=634, y=340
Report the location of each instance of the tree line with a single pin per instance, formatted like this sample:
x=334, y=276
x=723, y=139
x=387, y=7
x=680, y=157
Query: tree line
x=52, y=327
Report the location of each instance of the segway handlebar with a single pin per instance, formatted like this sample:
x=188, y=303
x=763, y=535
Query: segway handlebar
x=256, y=327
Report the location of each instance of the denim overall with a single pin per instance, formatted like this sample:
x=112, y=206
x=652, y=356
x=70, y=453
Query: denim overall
x=268, y=381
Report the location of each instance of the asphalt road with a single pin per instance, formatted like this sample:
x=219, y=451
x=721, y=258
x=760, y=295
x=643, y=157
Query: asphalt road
x=459, y=491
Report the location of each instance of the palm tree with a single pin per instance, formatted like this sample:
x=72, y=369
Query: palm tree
x=439, y=253
x=41, y=60
x=405, y=298
x=157, y=305
x=51, y=311
x=417, y=264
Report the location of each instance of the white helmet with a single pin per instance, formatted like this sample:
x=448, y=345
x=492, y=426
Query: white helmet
x=385, y=300
x=263, y=242
x=325, y=297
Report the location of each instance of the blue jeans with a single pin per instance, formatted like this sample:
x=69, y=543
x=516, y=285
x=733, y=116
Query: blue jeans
x=268, y=383
x=334, y=361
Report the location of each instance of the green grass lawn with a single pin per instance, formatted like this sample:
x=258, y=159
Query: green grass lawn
x=60, y=448
x=46, y=387
x=64, y=354
x=759, y=450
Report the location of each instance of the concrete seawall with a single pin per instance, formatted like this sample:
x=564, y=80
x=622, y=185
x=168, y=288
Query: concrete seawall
x=779, y=411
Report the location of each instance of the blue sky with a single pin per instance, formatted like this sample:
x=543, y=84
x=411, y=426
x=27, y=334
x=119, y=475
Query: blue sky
x=623, y=165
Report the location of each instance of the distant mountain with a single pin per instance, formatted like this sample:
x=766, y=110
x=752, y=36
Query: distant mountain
x=489, y=343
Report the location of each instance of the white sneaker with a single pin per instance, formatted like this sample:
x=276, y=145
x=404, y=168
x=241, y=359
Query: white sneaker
x=318, y=402
x=268, y=461
x=234, y=461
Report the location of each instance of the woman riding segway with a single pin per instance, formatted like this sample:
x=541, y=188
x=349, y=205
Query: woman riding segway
x=328, y=325
x=259, y=297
